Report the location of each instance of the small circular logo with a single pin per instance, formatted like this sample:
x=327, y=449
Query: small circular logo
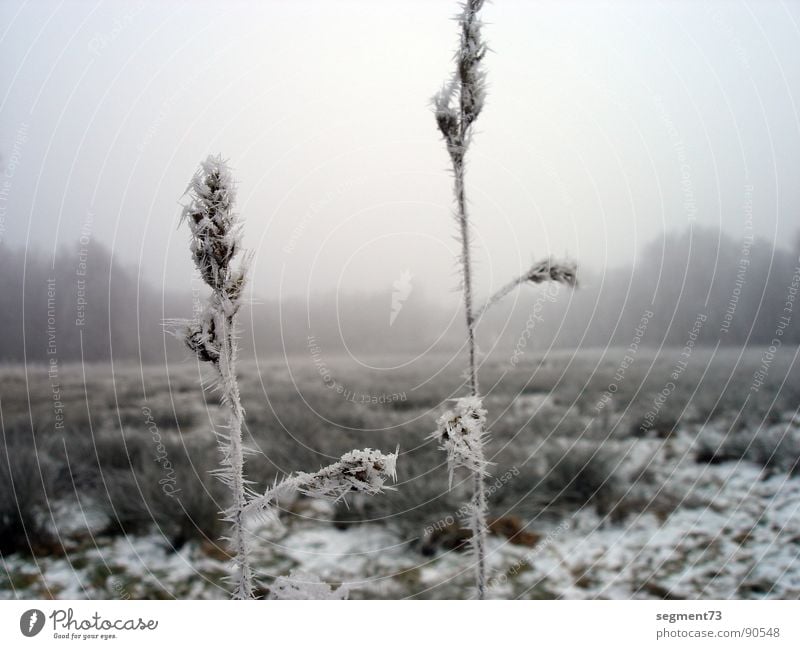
x=31, y=622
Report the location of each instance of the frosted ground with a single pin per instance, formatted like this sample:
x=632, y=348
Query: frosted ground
x=703, y=502
x=738, y=535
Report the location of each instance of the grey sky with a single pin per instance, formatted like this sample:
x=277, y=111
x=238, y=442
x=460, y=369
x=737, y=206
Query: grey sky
x=607, y=123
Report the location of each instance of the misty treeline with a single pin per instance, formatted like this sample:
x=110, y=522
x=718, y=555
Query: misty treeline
x=48, y=303
x=700, y=284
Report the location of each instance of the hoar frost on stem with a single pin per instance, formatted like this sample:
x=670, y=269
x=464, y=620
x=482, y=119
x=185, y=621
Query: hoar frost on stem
x=456, y=107
x=365, y=471
x=461, y=431
x=216, y=237
x=563, y=271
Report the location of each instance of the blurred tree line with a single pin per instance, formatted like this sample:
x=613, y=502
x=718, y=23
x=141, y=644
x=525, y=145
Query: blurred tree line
x=741, y=287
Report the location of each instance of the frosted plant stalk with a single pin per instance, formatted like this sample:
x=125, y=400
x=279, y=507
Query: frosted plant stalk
x=215, y=243
x=457, y=106
x=546, y=270
x=365, y=471
x=461, y=432
x=216, y=237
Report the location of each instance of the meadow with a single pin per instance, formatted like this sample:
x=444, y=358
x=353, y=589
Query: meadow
x=652, y=475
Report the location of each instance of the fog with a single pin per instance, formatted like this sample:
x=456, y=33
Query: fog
x=180, y=416
x=608, y=125
x=710, y=290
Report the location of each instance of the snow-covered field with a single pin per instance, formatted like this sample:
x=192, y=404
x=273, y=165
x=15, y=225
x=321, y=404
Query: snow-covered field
x=700, y=501
x=734, y=532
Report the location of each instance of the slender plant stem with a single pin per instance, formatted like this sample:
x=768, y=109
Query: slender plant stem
x=216, y=238
x=230, y=394
x=478, y=489
x=560, y=271
x=479, y=529
x=466, y=270
x=499, y=295
x=455, y=123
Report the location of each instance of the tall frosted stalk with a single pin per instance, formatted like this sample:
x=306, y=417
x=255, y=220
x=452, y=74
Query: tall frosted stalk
x=216, y=235
x=461, y=431
x=457, y=107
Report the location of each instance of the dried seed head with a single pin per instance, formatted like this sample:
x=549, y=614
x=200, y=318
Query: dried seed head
x=235, y=286
x=200, y=336
x=446, y=115
x=214, y=225
x=468, y=84
x=364, y=471
x=472, y=78
x=357, y=471
x=216, y=236
x=553, y=270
